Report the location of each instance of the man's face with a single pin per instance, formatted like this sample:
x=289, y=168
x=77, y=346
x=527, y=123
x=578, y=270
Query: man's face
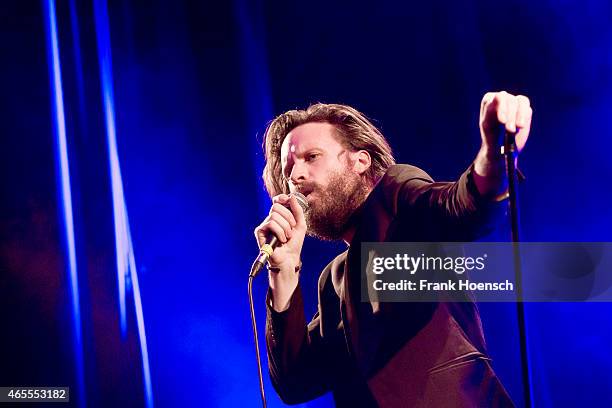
x=317, y=165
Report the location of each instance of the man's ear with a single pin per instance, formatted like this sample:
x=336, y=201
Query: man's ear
x=361, y=161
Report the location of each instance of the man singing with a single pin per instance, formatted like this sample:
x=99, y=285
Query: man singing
x=376, y=354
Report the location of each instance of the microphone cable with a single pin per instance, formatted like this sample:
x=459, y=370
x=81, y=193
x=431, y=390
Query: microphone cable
x=262, y=391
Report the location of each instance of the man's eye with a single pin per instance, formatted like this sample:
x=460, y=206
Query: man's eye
x=312, y=156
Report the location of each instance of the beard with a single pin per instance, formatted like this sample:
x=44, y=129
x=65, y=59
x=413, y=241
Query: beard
x=329, y=216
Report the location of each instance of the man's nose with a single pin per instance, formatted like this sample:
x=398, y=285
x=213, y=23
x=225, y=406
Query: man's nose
x=298, y=173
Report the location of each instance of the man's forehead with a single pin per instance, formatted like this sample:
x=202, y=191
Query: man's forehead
x=308, y=136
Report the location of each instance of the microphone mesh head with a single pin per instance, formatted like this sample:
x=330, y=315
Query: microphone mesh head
x=301, y=199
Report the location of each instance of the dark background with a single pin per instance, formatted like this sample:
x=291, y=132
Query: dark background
x=193, y=86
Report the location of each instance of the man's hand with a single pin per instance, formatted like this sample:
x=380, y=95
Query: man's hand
x=502, y=108
x=497, y=110
x=289, y=226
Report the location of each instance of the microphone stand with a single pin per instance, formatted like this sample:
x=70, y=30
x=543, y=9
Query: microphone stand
x=510, y=152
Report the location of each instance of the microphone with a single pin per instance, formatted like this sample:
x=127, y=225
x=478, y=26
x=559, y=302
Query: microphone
x=266, y=250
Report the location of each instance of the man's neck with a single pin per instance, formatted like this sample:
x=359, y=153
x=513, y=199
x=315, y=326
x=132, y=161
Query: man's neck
x=347, y=237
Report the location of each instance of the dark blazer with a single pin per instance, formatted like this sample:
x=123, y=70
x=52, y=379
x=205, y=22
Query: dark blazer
x=390, y=354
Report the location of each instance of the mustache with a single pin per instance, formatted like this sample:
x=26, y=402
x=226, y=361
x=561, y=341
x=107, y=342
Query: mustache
x=308, y=187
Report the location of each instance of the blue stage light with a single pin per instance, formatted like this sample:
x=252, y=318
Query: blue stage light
x=59, y=122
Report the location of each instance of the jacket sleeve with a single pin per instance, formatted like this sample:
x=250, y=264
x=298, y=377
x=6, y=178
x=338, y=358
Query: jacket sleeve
x=447, y=211
x=298, y=359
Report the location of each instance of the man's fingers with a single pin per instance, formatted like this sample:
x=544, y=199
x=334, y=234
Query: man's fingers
x=523, y=133
x=523, y=114
x=509, y=110
x=281, y=199
x=297, y=211
x=511, y=106
x=284, y=212
x=490, y=110
x=499, y=105
x=283, y=223
x=282, y=220
x=523, y=120
x=506, y=107
x=268, y=228
x=260, y=236
x=276, y=224
x=262, y=233
x=486, y=101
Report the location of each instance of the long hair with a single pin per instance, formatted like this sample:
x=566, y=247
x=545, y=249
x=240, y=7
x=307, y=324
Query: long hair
x=353, y=130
